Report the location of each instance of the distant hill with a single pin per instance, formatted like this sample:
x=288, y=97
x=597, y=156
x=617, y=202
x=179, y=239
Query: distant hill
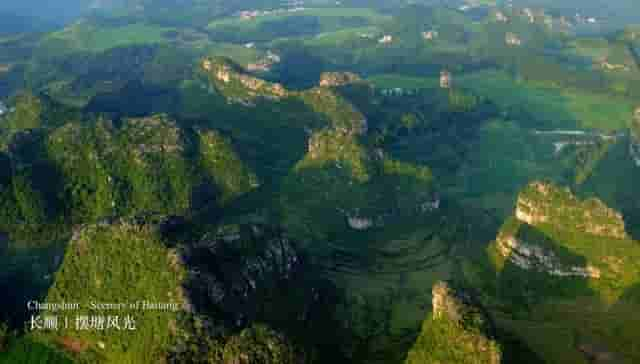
x=15, y=23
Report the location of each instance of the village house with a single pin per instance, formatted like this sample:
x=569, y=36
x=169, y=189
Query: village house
x=501, y=17
x=386, y=39
x=207, y=64
x=529, y=14
x=445, y=79
x=261, y=66
x=512, y=39
x=430, y=35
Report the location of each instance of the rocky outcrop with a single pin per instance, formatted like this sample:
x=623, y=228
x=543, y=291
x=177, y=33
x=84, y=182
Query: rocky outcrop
x=233, y=269
x=343, y=116
x=542, y=203
x=334, y=79
x=460, y=306
x=340, y=148
x=230, y=76
x=532, y=257
x=460, y=331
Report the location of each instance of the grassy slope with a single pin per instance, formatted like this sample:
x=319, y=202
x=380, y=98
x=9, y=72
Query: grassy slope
x=83, y=36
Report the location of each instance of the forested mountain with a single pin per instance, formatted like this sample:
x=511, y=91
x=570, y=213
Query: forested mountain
x=390, y=182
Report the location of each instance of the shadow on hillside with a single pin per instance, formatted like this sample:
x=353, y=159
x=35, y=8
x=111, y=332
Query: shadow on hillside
x=255, y=274
x=524, y=288
x=632, y=294
x=26, y=276
x=615, y=181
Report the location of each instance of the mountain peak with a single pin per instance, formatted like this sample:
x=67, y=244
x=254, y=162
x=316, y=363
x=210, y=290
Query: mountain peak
x=544, y=203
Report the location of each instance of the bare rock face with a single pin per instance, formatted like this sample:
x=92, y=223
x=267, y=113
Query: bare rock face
x=332, y=79
x=532, y=257
x=542, y=203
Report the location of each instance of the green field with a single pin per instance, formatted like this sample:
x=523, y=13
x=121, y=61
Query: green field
x=81, y=36
x=547, y=106
x=332, y=39
x=561, y=108
x=369, y=14
x=406, y=82
x=240, y=54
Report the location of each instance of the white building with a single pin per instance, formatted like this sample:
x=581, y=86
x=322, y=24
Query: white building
x=386, y=39
x=500, y=17
x=445, y=79
x=3, y=108
x=430, y=35
x=513, y=39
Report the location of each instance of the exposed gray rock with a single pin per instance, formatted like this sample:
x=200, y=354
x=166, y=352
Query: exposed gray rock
x=532, y=257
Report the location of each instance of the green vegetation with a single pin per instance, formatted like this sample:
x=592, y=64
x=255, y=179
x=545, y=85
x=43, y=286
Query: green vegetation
x=217, y=156
x=548, y=310
x=458, y=331
x=146, y=165
x=340, y=113
x=84, y=36
x=26, y=351
x=442, y=340
x=82, y=172
x=550, y=106
x=147, y=272
x=369, y=14
x=386, y=186
x=287, y=24
x=28, y=113
x=259, y=344
x=406, y=82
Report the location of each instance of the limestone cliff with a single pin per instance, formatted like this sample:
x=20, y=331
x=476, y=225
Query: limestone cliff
x=333, y=79
x=532, y=257
x=236, y=84
x=555, y=233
